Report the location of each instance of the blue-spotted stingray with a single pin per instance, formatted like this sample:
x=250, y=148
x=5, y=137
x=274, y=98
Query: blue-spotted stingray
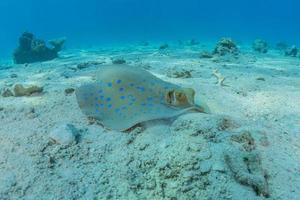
x=124, y=96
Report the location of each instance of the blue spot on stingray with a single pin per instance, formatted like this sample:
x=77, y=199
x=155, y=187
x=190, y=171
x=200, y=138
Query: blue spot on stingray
x=149, y=98
x=101, y=104
x=109, y=105
x=140, y=88
x=101, y=97
x=108, y=99
x=109, y=84
x=121, y=89
x=122, y=97
x=131, y=84
x=119, y=81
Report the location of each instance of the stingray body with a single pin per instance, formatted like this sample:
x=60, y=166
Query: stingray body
x=124, y=96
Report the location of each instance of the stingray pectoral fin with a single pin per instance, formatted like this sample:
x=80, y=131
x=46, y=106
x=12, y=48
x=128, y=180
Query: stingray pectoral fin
x=85, y=98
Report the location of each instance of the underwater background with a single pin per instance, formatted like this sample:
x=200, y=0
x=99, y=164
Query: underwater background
x=94, y=23
x=156, y=99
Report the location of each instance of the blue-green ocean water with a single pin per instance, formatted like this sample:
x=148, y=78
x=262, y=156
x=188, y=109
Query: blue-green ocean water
x=95, y=22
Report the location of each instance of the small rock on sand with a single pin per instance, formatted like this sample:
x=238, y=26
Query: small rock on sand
x=69, y=91
x=13, y=76
x=260, y=79
x=118, y=61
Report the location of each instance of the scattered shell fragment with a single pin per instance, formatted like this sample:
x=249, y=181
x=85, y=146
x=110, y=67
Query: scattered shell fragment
x=64, y=134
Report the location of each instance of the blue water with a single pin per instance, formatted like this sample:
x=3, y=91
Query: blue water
x=95, y=22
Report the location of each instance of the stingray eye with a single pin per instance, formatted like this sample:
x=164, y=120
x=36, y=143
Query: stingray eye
x=179, y=95
x=169, y=97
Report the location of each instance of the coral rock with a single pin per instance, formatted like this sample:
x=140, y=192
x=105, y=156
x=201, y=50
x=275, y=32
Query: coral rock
x=57, y=43
x=226, y=46
x=193, y=42
x=293, y=51
x=20, y=90
x=260, y=46
x=281, y=46
x=163, y=46
x=32, y=50
x=246, y=169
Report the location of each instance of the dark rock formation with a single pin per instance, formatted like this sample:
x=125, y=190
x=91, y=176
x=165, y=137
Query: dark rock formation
x=281, y=46
x=69, y=91
x=260, y=46
x=163, y=46
x=145, y=43
x=226, y=46
x=292, y=51
x=32, y=50
x=193, y=42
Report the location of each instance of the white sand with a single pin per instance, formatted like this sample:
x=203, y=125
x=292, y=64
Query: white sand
x=181, y=159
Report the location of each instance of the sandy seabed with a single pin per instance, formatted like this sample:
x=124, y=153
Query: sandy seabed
x=247, y=148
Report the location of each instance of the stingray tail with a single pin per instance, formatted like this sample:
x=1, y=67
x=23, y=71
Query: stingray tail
x=202, y=108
